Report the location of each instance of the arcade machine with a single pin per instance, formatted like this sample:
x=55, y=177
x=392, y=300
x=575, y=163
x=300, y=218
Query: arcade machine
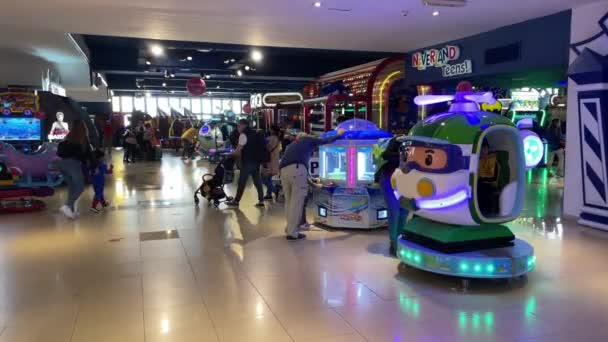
x=214, y=138
x=349, y=198
x=455, y=226
x=525, y=109
x=25, y=160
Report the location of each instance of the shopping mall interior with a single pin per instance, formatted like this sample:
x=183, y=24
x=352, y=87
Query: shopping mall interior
x=304, y=171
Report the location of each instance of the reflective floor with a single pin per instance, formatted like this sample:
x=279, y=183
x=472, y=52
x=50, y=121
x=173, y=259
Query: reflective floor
x=156, y=268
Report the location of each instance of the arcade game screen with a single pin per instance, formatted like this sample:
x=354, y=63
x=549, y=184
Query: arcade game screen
x=365, y=164
x=20, y=129
x=334, y=166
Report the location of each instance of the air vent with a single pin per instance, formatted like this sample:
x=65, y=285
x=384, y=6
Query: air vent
x=502, y=54
x=339, y=9
x=445, y=3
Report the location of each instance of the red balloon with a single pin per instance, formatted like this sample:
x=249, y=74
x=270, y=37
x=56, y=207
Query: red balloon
x=196, y=86
x=247, y=108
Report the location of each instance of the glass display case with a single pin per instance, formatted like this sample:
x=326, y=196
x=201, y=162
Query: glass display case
x=366, y=168
x=333, y=163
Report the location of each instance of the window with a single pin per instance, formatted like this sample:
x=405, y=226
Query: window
x=237, y=107
x=151, y=105
x=185, y=103
x=139, y=103
x=196, y=105
x=174, y=104
x=216, y=106
x=116, y=104
x=126, y=104
x=207, y=106
x=226, y=105
x=163, y=104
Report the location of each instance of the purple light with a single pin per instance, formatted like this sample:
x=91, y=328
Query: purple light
x=425, y=100
x=472, y=119
x=443, y=201
x=351, y=167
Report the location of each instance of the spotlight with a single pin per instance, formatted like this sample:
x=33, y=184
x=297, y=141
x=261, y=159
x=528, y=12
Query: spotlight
x=257, y=56
x=227, y=61
x=156, y=50
x=172, y=75
x=148, y=62
x=218, y=87
x=164, y=84
x=317, y=4
x=247, y=67
x=189, y=58
x=436, y=13
x=172, y=92
x=239, y=73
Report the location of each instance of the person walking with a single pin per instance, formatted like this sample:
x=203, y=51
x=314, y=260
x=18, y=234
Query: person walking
x=252, y=149
x=189, y=141
x=271, y=168
x=74, y=151
x=554, y=138
x=294, y=179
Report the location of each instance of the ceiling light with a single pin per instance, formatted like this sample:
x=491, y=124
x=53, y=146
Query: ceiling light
x=317, y=4
x=164, y=84
x=156, y=50
x=148, y=94
x=207, y=76
x=189, y=58
x=232, y=60
x=435, y=13
x=148, y=62
x=172, y=75
x=256, y=56
x=247, y=67
x=227, y=61
x=218, y=87
x=239, y=73
x=172, y=92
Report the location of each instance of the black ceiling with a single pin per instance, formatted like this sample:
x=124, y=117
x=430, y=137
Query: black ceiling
x=128, y=62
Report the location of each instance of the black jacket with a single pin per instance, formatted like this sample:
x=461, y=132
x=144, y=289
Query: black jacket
x=69, y=150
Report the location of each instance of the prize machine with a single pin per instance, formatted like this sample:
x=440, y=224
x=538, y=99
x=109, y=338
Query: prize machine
x=462, y=179
x=265, y=111
x=349, y=198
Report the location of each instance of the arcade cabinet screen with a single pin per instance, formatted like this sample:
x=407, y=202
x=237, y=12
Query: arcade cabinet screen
x=333, y=163
x=20, y=129
x=525, y=101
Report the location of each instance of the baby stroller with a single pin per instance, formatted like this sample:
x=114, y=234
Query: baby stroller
x=213, y=184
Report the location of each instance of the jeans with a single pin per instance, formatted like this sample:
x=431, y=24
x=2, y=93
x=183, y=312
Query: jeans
x=559, y=153
x=188, y=149
x=396, y=214
x=253, y=170
x=267, y=181
x=71, y=170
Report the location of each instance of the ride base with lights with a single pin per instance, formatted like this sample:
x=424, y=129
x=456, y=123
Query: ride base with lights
x=349, y=198
x=459, y=218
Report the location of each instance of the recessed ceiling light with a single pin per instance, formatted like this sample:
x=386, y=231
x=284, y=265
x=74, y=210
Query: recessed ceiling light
x=164, y=84
x=148, y=62
x=156, y=50
x=189, y=58
x=233, y=60
x=207, y=76
x=227, y=61
x=172, y=91
x=218, y=87
x=247, y=67
x=435, y=13
x=239, y=73
x=317, y=4
x=257, y=56
x=172, y=75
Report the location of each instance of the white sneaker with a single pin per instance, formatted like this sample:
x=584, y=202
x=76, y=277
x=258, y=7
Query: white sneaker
x=65, y=210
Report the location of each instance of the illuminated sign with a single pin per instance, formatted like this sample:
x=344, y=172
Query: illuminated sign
x=271, y=99
x=435, y=57
x=463, y=68
x=256, y=101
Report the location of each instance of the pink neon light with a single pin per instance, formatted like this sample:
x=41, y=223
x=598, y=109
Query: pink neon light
x=351, y=167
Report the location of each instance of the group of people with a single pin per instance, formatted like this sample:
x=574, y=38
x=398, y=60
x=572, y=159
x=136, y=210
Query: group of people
x=262, y=157
x=78, y=162
x=139, y=142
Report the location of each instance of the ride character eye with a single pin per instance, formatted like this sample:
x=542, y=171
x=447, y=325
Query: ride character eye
x=428, y=159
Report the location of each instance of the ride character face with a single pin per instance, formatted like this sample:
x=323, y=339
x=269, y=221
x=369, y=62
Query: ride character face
x=430, y=170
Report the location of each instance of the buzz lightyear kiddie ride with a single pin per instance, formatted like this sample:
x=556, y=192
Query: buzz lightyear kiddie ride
x=349, y=198
x=462, y=178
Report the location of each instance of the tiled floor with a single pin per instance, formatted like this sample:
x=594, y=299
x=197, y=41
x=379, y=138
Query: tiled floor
x=228, y=275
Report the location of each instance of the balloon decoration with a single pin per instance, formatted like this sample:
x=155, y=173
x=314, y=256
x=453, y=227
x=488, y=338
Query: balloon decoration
x=247, y=108
x=196, y=86
x=464, y=86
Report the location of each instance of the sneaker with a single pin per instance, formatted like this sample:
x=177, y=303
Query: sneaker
x=105, y=204
x=232, y=204
x=94, y=210
x=268, y=198
x=260, y=205
x=65, y=210
x=298, y=238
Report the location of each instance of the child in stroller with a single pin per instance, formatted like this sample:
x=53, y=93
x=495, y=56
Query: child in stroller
x=212, y=187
